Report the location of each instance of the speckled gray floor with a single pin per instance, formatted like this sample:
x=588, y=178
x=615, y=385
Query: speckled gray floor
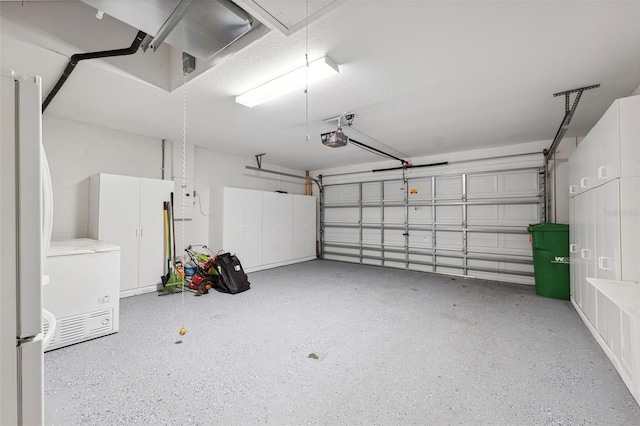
x=334, y=343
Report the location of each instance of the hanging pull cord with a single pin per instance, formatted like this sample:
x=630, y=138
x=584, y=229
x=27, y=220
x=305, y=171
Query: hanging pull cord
x=306, y=58
x=183, y=330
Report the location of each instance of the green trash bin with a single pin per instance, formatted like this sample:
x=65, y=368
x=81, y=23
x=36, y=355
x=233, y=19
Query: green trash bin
x=550, y=243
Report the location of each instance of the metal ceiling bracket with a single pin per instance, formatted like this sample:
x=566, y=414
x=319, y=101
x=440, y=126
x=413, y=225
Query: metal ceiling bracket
x=564, y=126
x=568, y=115
x=176, y=16
x=259, y=160
x=275, y=172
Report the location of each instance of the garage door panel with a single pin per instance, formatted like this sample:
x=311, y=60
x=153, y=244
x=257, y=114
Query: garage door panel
x=420, y=216
x=393, y=215
x=518, y=243
x=371, y=215
x=371, y=236
x=393, y=238
x=347, y=215
x=481, y=215
x=495, y=201
x=482, y=185
x=448, y=240
x=449, y=187
x=342, y=235
x=521, y=213
x=482, y=241
x=521, y=183
x=342, y=193
x=420, y=189
x=394, y=190
x=371, y=192
x=420, y=239
x=503, y=215
x=450, y=215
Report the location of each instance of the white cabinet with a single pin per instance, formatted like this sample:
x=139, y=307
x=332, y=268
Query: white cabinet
x=605, y=236
x=629, y=143
x=264, y=229
x=607, y=225
x=239, y=227
x=304, y=226
x=277, y=226
x=128, y=211
x=630, y=228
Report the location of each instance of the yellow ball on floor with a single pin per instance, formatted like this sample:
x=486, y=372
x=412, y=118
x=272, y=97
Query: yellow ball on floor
x=183, y=331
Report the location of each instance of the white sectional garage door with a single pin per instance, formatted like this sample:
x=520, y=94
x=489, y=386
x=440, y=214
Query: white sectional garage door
x=472, y=224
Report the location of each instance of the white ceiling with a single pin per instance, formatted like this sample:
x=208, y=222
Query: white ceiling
x=422, y=77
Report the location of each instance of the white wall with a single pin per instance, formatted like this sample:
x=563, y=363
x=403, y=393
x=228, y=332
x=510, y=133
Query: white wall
x=214, y=169
x=637, y=91
x=76, y=151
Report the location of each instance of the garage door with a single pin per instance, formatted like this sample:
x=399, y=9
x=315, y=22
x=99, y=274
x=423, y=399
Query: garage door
x=472, y=224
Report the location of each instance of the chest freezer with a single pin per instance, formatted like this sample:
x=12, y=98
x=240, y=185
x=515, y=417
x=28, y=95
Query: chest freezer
x=83, y=290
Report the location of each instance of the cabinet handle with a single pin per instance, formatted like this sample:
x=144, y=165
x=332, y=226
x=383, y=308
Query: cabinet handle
x=584, y=253
x=603, y=263
x=572, y=189
x=602, y=172
x=573, y=248
x=136, y=232
x=140, y=232
x=584, y=182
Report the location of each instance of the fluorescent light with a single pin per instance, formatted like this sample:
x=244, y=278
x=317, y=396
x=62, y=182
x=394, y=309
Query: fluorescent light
x=294, y=80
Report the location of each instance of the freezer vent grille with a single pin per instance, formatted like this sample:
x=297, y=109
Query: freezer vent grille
x=79, y=328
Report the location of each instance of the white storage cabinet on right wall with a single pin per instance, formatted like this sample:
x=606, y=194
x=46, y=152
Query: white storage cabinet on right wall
x=264, y=229
x=605, y=236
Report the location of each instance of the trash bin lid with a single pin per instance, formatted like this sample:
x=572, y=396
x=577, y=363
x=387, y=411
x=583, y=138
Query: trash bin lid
x=548, y=227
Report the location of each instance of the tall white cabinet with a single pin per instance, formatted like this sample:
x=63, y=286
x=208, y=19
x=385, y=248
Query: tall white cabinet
x=264, y=229
x=605, y=236
x=128, y=211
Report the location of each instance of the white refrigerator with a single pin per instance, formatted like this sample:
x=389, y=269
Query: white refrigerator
x=25, y=232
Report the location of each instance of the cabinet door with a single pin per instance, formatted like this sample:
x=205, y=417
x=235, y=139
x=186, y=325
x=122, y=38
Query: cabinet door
x=630, y=228
x=285, y=227
x=277, y=222
x=304, y=226
x=152, y=258
x=118, y=220
x=573, y=249
x=629, y=136
x=587, y=172
x=609, y=322
x=588, y=269
x=252, y=226
x=580, y=241
x=607, y=223
x=233, y=222
x=607, y=147
x=628, y=333
x=574, y=165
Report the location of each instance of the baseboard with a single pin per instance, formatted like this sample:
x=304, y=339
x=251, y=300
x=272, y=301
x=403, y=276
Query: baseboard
x=278, y=264
x=140, y=290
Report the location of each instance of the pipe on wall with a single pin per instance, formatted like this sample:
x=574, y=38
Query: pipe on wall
x=163, y=156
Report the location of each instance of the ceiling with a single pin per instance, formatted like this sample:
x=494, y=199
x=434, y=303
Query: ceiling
x=422, y=77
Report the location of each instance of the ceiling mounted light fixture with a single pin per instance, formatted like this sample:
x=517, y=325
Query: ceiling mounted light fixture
x=293, y=80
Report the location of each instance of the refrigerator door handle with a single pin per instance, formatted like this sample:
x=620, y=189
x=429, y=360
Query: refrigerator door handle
x=47, y=205
x=53, y=324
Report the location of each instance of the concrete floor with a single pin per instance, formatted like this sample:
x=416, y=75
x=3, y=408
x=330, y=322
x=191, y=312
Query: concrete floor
x=326, y=342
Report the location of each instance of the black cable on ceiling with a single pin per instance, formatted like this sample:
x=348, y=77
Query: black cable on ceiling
x=91, y=55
